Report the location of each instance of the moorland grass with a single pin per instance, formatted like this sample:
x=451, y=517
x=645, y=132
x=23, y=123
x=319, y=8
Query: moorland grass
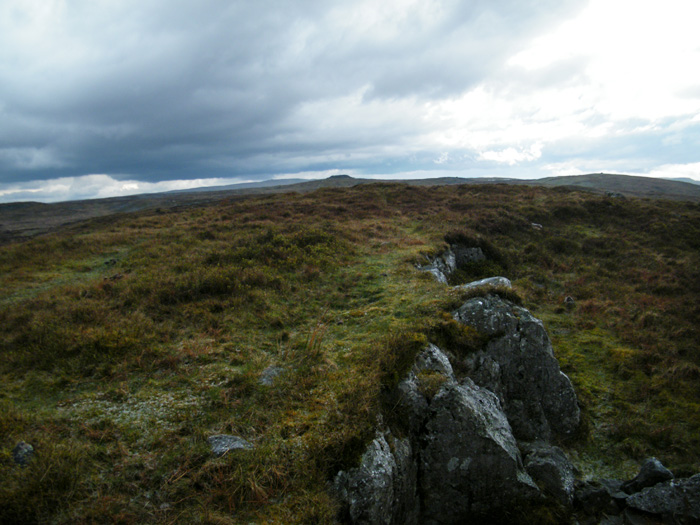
x=126, y=343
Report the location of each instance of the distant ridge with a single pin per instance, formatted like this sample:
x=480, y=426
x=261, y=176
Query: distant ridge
x=21, y=220
x=629, y=185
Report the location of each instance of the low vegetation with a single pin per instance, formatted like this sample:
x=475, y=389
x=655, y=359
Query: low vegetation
x=126, y=343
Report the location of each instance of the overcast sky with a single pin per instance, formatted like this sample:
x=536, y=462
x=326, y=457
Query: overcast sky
x=103, y=98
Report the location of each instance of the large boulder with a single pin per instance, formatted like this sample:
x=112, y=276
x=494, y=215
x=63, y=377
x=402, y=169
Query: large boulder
x=519, y=366
x=470, y=465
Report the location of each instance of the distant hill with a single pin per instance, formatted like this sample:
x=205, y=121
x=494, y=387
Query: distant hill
x=629, y=185
x=242, y=186
x=686, y=179
x=22, y=220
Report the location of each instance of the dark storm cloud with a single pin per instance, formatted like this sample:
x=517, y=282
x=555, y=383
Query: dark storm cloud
x=170, y=90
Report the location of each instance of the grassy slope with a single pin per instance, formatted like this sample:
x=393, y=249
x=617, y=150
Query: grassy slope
x=126, y=344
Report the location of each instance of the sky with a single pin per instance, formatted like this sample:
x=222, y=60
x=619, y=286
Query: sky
x=100, y=98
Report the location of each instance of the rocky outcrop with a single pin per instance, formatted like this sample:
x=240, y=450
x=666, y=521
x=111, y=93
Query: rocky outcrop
x=476, y=446
x=519, y=366
x=457, y=460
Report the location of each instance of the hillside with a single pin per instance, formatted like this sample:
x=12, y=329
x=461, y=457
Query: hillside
x=127, y=342
x=23, y=220
x=628, y=185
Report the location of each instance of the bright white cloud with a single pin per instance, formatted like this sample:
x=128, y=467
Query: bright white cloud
x=97, y=186
x=512, y=156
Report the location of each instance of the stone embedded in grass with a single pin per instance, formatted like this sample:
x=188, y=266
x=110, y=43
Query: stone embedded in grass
x=22, y=453
x=223, y=443
x=268, y=376
x=489, y=281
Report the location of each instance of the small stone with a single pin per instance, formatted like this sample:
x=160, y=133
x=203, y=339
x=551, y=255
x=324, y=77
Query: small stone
x=223, y=443
x=489, y=281
x=268, y=376
x=22, y=453
x=536, y=226
x=569, y=302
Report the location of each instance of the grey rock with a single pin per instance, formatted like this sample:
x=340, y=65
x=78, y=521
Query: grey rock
x=22, y=453
x=614, y=195
x=407, y=398
x=519, y=366
x=442, y=266
x=382, y=490
x=223, y=443
x=489, y=281
x=470, y=464
x=677, y=500
x=549, y=467
x=451, y=259
x=268, y=376
x=651, y=473
x=435, y=360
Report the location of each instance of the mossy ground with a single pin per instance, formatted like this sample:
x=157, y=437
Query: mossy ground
x=126, y=343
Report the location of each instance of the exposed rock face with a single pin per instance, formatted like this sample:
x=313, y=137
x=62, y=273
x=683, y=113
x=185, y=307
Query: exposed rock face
x=382, y=489
x=519, y=366
x=442, y=266
x=550, y=469
x=469, y=461
x=458, y=462
x=675, y=501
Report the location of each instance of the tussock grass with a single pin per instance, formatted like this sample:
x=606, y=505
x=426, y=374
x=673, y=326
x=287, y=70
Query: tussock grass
x=125, y=344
